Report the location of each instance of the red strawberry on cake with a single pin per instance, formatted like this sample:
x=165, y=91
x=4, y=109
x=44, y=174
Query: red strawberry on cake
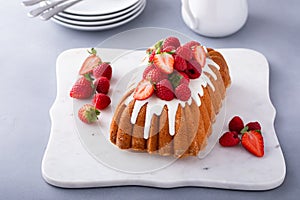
x=164, y=90
x=144, y=90
x=164, y=62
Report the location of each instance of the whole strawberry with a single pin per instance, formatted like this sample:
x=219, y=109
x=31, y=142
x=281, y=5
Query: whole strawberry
x=101, y=101
x=229, y=139
x=147, y=70
x=102, y=85
x=88, y=114
x=236, y=124
x=253, y=142
x=103, y=69
x=253, y=126
x=183, y=92
x=83, y=88
x=164, y=90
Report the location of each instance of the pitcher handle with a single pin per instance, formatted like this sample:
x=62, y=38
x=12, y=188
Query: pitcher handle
x=186, y=7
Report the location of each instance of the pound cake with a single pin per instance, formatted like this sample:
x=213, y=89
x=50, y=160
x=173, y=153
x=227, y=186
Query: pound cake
x=171, y=111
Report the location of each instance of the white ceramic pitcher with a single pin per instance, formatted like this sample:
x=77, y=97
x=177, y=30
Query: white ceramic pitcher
x=215, y=18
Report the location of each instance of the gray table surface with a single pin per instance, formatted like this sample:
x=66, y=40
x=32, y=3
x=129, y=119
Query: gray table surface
x=28, y=88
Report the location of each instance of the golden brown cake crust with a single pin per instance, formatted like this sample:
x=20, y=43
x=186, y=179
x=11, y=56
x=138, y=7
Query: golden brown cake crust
x=193, y=124
x=152, y=142
x=218, y=58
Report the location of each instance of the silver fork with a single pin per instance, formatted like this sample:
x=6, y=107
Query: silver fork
x=48, y=10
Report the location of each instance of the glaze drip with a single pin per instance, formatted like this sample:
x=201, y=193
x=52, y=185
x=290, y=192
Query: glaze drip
x=155, y=105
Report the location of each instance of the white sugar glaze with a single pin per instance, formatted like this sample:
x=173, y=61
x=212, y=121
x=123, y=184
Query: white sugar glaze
x=155, y=105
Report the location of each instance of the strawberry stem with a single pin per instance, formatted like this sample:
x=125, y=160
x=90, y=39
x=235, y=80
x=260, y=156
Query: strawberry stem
x=88, y=77
x=244, y=130
x=93, y=51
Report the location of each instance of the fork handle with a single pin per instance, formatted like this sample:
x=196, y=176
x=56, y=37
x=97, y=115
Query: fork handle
x=41, y=9
x=31, y=2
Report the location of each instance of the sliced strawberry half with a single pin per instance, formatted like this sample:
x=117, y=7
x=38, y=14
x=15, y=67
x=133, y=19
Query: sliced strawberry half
x=199, y=55
x=144, y=90
x=164, y=62
x=90, y=62
x=253, y=142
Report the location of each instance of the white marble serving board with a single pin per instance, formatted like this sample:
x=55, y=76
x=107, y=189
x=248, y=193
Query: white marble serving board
x=67, y=163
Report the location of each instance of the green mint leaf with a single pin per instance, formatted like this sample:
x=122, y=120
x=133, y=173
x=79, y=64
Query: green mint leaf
x=175, y=79
x=158, y=44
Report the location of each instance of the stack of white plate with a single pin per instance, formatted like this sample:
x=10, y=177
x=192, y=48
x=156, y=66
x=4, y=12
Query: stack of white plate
x=94, y=15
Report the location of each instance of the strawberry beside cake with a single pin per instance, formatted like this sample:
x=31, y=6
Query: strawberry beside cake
x=173, y=107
